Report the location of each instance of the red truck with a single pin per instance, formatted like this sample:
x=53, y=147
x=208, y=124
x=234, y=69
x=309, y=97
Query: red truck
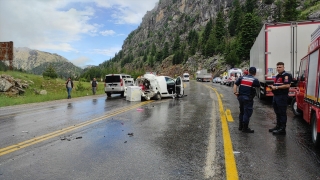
x=307, y=97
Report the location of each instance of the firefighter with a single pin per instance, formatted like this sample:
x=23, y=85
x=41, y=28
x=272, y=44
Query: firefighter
x=245, y=97
x=280, y=89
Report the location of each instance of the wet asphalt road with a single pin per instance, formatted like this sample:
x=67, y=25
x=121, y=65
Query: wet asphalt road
x=99, y=138
x=265, y=156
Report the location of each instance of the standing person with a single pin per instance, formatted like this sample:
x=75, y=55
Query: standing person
x=69, y=86
x=94, y=85
x=280, y=89
x=245, y=72
x=245, y=96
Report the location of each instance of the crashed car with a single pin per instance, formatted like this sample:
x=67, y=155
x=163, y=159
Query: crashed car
x=157, y=87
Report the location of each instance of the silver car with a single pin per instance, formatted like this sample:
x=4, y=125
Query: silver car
x=216, y=80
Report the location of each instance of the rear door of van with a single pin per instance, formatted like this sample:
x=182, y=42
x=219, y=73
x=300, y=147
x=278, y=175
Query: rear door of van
x=114, y=84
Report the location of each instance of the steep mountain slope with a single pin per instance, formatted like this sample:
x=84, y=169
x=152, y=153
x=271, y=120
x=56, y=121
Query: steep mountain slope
x=36, y=61
x=173, y=20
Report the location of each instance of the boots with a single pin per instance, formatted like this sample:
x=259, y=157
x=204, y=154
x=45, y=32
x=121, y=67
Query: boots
x=240, y=126
x=246, y=129
x=280, y=131
x=275, y=128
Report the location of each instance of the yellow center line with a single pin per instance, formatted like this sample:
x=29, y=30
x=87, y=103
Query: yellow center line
x=39, y=139
x=229, y=116
x=231, y=167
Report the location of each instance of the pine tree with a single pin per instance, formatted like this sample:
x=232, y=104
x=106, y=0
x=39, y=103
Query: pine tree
x=220, y=32
x=50, y=72
x=210, y=46
x=145, y=57
x=206, y=33
x=153, y=49
x=235, y=20
x=165, y=50
x=278, y=14
x=176, y=44
x=290, y=12
x=250, y=5
x=250, y=30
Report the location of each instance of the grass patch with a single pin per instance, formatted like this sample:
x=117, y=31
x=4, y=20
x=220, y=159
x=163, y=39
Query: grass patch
x=55, y=88
x=304, y=14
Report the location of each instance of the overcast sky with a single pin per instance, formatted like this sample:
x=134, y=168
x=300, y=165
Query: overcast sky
x=86, y=32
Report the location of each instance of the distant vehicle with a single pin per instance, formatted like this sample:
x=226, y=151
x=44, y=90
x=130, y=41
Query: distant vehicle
x=203, y=75
x=234, y=72
x=224, y=80
x=157, y=87
x=216, y=80
x=287, y=42
x=186, y=77
x=115, y=84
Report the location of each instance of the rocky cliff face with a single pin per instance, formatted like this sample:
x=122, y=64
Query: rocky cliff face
x=170, y=17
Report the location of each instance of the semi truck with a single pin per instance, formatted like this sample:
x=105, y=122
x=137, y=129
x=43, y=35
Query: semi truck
x=307, y=97
x=280, y=42
x=203, y=75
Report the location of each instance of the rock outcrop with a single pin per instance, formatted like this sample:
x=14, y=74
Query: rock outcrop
x=12, y=87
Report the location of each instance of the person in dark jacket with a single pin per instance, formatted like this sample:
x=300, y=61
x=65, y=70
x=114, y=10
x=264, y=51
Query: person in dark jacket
x=246, y=85
x=69, y=86
x=94, y=85
x=280, y=90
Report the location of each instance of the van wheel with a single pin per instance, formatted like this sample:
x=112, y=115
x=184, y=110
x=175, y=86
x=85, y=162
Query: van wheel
x=109, y=94
x=122, y=94
x=294, y=106
x=315, y=134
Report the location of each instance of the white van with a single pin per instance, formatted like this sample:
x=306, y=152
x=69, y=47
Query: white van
x=186, y=77
x=235, y=72
x=157, y=87
x=115, y=84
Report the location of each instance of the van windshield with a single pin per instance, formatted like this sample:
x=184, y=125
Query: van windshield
x=110, y=79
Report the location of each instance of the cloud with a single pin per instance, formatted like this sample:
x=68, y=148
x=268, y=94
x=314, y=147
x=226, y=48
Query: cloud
x=108, y=52
x=35, y=22
x=107, y=33
x=59, y=25
x=81, y=61
x=128, y=11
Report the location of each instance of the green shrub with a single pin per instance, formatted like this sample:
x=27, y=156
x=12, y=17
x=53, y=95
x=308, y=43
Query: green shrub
x=80, y=87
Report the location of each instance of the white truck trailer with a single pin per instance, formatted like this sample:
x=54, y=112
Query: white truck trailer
x=280, y=42
x=203, y=75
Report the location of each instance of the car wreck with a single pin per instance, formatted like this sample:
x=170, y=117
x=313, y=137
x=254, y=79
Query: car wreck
x=157, y=87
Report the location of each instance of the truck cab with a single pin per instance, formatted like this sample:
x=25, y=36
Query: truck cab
x=186, y=77
x=306, y=101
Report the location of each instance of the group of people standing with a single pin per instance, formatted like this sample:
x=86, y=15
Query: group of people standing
x=69, y=86
x=244, y=89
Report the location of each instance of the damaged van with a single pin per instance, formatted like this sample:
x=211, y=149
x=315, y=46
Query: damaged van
x=157, y=87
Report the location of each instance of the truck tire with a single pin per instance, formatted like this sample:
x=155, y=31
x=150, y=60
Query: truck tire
x=314, y=133
x=108, y=94
x=259, y=94
x=296, y=111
